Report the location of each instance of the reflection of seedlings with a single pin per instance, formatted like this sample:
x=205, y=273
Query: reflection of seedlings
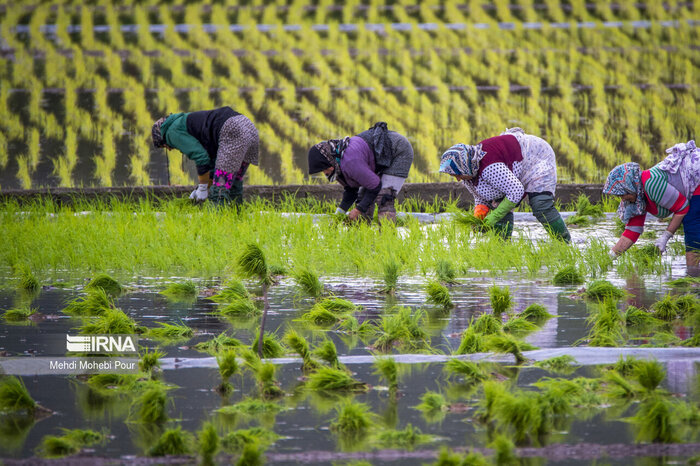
x=391, y=276
x=445, y=272
x=663, y=339
x=564, y=364
x=251, y=407
x=508, y=344
x=308, y=282
x=493, y=391
x=112, y=381
x=353, y=418
x=601, y=290
x=656, y=421
x=402, y=328
x=27, y=281
x=227, y=367
x=519, y=326
x=271, y=347
x=471, y=371
x=149, y=407
x=300, y=346
x=240, y=307
x=219, y=343
x=167, y=331
x=150, y=360
x=500, y=299
x=447, y=457
x=252, y=455
x=329, y=379
x=386, y=368
x=649, y=374
x=14, y=397
x=439, y=295
x=111, y=321
x=519, y=410
x=568, y=275
x=264, y=373
x=407, y=438
x=172, y=442
x=504, y=450
x=186, y=291
x=14, y=429
x=536, y=313
x=97, y=302
x=18, y=315
x=252, y=264
x=107, y=283
x=232, y=291
x=207, y=443
x=234, y=442
x=327, y=352
x=71, y=442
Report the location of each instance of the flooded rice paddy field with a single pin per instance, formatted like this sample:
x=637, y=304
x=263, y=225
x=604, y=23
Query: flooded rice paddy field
x=303, y=419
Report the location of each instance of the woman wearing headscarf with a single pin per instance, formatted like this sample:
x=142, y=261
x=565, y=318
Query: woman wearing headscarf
x=221, y=142
x=500, y=171
x=371, y=166
x=671, y=187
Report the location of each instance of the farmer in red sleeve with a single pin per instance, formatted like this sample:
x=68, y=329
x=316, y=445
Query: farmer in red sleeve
x=501, y=171
x=671, y=187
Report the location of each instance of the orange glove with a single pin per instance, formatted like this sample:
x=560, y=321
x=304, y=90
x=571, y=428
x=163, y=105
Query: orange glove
x=480, y=211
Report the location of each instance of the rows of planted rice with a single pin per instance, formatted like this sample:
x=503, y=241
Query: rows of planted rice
x=80, y=85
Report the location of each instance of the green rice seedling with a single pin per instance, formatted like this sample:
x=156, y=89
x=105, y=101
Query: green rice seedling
x=228, y=366
x=607, y=325
x=519, y=411
x=447, y=457
x=207, y=443
x=308, y=283
x=402, y=328
x=150, y=360
x=175, y=442
x=27, y=281
x=493, y=391
x=666, y=309
x=111, y=321
x=656, y=421
x=468, y=220
x=564, y=364
x=472, y=342
x=300, y=346
x=391, y=276
x=601, y=290
x=625, y=366
x=635, y=317
x=69, y=443
x=107, y=283
x=568, y=275
x=439, y=295
x=327, y=352
x=386, y=368
x=330, y=379
x=351, y=326
x=150, y=406
x=264, y=373
x=487, y=324
x=180, y=291
x=583, y=206
x=445, y=272
x=500, y=299
x=618, y=387
x=687, y=305
x=432, y=402
x=619, y=227
x=217, y=344
x=18, y=314
x=108, y=381
x=684, y=282
x=352, y=418
x=252, y=264
x=169, y=332
x=234, y=442
x=508, y=344
x=240, y=307
x=519, y=326
x=504, y=450
x=14, y=396
x=406, y=439
x=649, y=374
x=579, y=220
x=251, y=407
x=471, y=371
x=232, y=291
x=252, y=455
x=321, y=316
x=271, y=347
x=663, y=339
x=95, y=303
x=336, y=305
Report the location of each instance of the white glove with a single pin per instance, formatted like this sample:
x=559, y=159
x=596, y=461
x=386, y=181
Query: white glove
x=340, y=211
x=613, y=255
x=201, y=193
x=663, y=239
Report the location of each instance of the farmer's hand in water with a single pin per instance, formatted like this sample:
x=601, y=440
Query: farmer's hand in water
x=353, y=215
x=661, y=242
x=201, y=193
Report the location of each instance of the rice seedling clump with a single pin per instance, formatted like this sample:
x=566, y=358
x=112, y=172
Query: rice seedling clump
x=180, y=291
x=111, y=321
x=169, y=332
x=97, y=302
x=603, y=289
x=232, y=291
x=234, y=442
x=439, y=295
x=14, y=396
x=107, y=283
x=386, y=367
x=330, y=379
x=69, y=443
x=352, y=418
x=174, y=442
x=568, y=275
x=500, y=299
x=272, y=348
x=308, y=282
x=239, y=307
x=18, y=314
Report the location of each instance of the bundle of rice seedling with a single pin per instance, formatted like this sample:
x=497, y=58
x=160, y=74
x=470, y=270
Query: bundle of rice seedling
x=386, y=367
x=445, y=272
x=603, y=289
x=180, y=291
x=107, y=283
x=232, y=290
x=439, y=295
x=500, y=299
x=95, y=303
x=175, y=442
x=568, y=275
x=300, y=346
x=308, y=282
x=329, y=379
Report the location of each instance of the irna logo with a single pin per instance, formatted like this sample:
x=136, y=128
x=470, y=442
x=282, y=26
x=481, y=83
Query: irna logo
x=101, y=343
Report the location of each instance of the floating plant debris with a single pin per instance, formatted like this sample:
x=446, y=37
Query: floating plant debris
x=564, y=363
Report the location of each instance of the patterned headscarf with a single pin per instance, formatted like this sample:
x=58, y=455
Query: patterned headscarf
x=158, y=140
x=332, y=150
x=627, y=179
x=462, y=159
x=686, y=159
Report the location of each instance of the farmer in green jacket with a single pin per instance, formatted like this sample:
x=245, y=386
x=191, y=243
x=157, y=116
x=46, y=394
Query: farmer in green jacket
x=221, y=142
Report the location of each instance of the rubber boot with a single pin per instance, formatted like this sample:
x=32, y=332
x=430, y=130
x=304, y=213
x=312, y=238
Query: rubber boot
x=543, y=209
x=387, y=207
x=504, y=227
x=367, y=216
x=558, y=229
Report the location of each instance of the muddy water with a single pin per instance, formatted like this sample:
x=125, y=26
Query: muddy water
x=304, y=424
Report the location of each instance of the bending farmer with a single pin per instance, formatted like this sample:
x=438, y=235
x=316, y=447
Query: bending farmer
x=500, y=171
x=671, y=187
x=372, y=167
x=222, y=144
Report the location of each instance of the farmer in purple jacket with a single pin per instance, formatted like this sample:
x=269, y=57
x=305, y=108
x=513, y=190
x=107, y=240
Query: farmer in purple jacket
x=371, y=166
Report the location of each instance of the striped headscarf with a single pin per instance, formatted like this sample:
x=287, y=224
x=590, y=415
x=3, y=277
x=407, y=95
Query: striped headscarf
x=462, y=159
x=627, y=179
x=683, y=158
